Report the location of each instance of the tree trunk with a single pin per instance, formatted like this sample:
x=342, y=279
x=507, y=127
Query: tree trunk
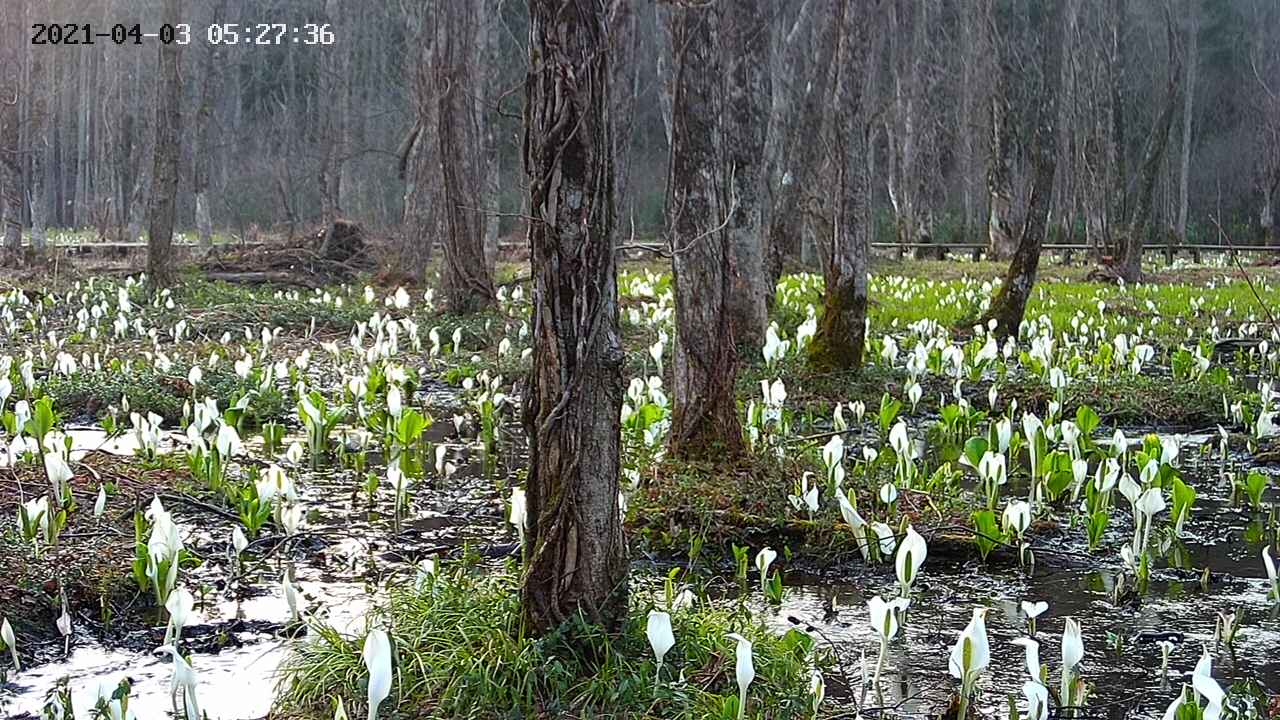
x=745, y=54
x=1188, y=114
x=1043, y=84
x=705, y=416
x=838, y=344
x=164, y=186
x=797, y=118
x=468, y=279
x=12, y=192
x=576, y=556
x=210, y=71
x=1129, y=267
x=1000, y=222
x=488, y=57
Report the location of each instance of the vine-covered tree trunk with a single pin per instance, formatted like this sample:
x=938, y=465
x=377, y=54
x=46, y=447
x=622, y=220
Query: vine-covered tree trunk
x=841, y=335
x=164, y=185
x=575, y=558
x=1042, y=85
x=704, y=415
x=745, y=53
x=468, y=277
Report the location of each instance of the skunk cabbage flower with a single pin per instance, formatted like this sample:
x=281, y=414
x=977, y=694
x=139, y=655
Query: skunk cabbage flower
x=1072, y=654
x=661, y=639
x=911, y=554
x=377, y=659
x=744, y=669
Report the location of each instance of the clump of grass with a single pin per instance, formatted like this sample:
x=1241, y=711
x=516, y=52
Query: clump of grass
x=459, y=652
x=92, y=392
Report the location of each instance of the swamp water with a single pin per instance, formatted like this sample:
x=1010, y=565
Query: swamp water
x=346, y=552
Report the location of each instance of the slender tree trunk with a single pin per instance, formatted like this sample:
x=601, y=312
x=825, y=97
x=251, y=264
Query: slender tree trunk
x=418, y=160
x=468, y=279
x=798, y=118
x=745, y=53
x=1188, y=115
x=210, y=71
x=1000, y=222
x=12, y=191
x=838, y=344
x=624, y=104
x=164, y=188
x=1129, y=267
x=705, y=415
x=576, y=556
x=486, y=75
x=1043, y=82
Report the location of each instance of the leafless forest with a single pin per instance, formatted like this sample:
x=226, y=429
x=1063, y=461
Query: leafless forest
x=1166, y=113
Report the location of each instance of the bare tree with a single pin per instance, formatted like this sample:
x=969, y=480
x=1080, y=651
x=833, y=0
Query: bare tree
x=1001, y=239
x=801, y=89
x=1188, y=115
x=1128, y=264
x=744, y=52
x=164, y=189
x=12, y=189
x=576, y=558
x=468, y=276
x=211, y=61
x=705, y=414
x=838, y=344
x=1039, y=85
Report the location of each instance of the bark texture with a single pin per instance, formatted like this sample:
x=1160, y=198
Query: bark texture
x=745, y=53
x=704, y=416
x=468, y=276
x=800, y=93
x=164, y=187
x=841, y=336
x=576, y=558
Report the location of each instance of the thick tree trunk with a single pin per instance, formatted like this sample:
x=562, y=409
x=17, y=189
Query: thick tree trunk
x=744, y=40
x=705, y=417
x=838, y=344
x=1043, y=83
x=164, y=187
x=468, y=278
x=576, y=557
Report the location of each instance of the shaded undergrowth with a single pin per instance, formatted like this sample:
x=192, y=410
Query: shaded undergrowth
x=459, y=652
